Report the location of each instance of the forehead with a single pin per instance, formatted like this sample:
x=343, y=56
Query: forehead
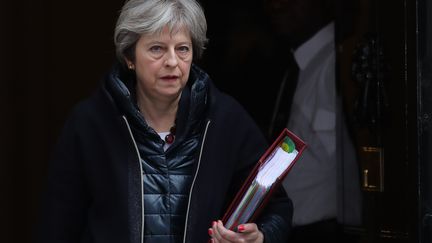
x=169, y=33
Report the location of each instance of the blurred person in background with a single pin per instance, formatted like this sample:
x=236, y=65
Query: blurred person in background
x=324, y=185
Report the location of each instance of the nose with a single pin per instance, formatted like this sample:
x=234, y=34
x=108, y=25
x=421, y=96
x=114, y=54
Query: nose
x=171, y=58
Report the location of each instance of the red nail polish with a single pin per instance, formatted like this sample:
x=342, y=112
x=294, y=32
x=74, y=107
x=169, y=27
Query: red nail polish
x=240, y=228
x=210, y=232
x=214, y=223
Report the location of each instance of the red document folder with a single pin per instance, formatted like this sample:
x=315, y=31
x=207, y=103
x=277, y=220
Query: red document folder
x=260, y=196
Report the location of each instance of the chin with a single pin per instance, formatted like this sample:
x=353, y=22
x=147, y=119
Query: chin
x=170, y=93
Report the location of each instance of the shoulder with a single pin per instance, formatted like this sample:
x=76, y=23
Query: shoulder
x=93, y=111
x=229, y=119
x=229, y=116
x=225, y=105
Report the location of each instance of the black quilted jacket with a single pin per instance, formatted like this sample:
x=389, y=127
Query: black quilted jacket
x=95, y=191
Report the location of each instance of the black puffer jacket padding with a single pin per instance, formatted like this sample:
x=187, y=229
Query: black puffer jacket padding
x=167, y=176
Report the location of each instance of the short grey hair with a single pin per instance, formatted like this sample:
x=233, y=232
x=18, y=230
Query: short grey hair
x=143, y=17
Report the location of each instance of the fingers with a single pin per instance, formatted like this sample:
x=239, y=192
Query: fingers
x=220, y=234
x=246, y=233
x=247, y=228
x=250, y=233
x=214, y=233
x=225, y=233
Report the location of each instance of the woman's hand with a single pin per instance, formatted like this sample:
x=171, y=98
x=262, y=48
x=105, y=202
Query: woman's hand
x=246, y=233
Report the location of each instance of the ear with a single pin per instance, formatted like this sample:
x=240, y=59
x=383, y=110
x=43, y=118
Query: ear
x=129, y=64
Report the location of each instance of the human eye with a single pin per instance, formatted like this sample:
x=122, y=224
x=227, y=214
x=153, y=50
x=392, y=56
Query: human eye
x=155, y=49
x=183, y=49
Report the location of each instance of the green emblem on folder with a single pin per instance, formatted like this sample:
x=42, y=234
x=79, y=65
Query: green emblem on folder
x=288, y=145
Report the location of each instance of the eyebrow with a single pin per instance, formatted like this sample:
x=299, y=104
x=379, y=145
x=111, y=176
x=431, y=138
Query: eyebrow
x=163, y=43
x=185, y=42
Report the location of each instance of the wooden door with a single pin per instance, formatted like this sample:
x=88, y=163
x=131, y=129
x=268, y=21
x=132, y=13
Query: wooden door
x=379, y=76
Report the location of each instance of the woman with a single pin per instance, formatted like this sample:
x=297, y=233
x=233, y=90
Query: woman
x=158, y=153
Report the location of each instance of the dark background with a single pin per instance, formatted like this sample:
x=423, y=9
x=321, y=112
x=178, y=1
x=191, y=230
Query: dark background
x=53, y=54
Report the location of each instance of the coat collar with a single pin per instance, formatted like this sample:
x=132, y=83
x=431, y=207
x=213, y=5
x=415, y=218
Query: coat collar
x=120, y=85
x=305, y=53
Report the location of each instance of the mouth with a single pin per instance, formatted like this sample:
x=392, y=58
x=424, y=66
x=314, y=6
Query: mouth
x=170, y=77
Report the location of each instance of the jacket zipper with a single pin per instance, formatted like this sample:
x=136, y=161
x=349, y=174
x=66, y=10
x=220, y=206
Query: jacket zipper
x=193, y=181
x=141, y=179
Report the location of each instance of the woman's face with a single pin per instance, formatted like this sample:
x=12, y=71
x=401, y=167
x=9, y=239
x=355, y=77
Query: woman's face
x=162, y=63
